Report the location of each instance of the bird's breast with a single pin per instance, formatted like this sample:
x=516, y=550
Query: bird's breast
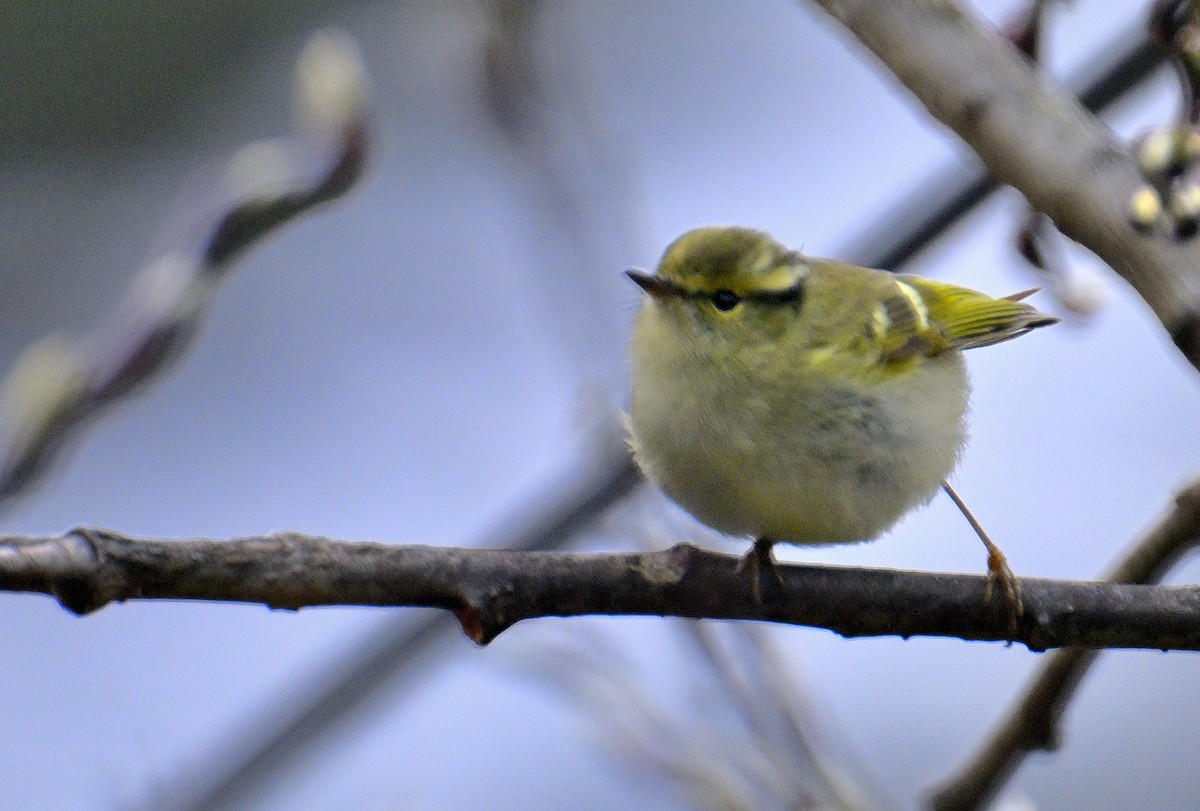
x=788, y=452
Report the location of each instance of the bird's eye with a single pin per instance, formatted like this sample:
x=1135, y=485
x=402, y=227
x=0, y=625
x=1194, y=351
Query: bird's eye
x=725, y=300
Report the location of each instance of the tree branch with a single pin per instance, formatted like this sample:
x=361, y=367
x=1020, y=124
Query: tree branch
x=954, y=190
x=58, y=387
x=1033, y=722
x=1033, y=136
x=490, y=590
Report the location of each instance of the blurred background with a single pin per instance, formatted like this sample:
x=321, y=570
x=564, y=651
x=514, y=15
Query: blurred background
x=439, y=358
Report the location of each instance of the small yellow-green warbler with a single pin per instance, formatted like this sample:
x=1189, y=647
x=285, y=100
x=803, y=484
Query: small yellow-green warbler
x=789, y=398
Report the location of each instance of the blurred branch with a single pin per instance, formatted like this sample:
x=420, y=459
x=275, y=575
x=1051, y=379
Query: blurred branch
x=491, y=590
x=1033, y=722
x=57, y=387
x=1037, y=241
x=765, y=693
x=745, y=738
x=543, y=98
x=953, y=191
x=1032, y=135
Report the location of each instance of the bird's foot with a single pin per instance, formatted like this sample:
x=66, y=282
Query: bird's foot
x=1000, y=574
x=759, y=561
x=998, y=568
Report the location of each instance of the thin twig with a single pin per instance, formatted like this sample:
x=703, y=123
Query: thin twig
x=768, y=697
x=1033, y=723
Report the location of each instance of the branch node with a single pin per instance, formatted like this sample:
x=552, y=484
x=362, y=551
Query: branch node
x=682, y=556
x=87, y=592
x=478, y=627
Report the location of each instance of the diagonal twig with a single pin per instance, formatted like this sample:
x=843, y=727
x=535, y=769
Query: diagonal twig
x=955, y=190
x=58, y=386
x=1032, y=723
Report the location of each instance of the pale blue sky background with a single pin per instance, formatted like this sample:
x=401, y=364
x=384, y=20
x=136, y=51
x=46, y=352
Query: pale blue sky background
x=412, y=362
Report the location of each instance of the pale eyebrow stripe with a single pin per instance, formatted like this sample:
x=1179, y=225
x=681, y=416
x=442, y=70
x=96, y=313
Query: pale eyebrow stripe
x=783, y=278
x=785, y=296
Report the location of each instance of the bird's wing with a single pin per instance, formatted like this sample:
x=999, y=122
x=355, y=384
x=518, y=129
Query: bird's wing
x=924, y=317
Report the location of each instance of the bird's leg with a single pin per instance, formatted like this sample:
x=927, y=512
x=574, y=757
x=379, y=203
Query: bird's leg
x=998, y=568
x=758, y=561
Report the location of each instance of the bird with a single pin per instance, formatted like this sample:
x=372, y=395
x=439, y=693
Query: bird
x=794, y=399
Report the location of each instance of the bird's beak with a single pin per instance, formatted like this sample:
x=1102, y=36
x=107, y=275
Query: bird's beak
x=650, y=283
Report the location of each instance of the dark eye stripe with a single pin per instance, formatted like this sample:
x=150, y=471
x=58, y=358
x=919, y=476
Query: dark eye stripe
x=725, y=299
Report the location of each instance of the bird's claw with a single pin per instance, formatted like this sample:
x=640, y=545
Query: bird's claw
x=755, y=563
x=999, y=573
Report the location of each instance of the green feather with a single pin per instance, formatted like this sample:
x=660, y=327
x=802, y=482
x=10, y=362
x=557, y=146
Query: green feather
x=959, y=318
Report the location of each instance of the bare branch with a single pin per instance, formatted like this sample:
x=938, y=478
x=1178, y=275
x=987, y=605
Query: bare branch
x=1033, y=136
x=1033, y=723
x=954, y=190
x=58, y=386
x=490, y=590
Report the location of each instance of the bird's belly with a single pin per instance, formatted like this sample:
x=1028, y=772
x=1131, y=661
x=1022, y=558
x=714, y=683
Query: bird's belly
x=824, y=464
